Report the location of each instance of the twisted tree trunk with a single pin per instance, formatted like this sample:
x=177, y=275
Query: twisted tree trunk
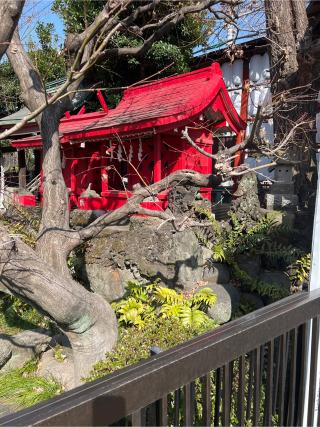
x=87, y=320
x=41, y=277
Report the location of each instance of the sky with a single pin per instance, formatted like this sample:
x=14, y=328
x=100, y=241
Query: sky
x=35, y=11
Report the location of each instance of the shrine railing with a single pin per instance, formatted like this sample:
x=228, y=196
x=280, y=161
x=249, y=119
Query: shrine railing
x=249, y=371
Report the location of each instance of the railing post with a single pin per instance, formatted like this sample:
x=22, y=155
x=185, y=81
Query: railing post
x=314, y=284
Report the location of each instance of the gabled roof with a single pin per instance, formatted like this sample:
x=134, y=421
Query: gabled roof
x=167, y=103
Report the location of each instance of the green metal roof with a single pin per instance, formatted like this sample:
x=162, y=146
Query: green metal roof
x=17, y=116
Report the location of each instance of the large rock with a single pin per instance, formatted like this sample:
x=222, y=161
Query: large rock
x=150, y=249
x=216, y=272
x=276, y=277
x=251, y=264
x=108, y=281
x=228, y=300
x=245, y=204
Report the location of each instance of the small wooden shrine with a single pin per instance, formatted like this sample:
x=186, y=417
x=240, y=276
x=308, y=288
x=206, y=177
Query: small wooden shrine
x=106, y=153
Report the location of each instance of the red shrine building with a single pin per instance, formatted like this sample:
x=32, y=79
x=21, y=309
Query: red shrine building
x=106, y=153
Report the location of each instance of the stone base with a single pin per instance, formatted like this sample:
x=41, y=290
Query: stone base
x=281, y=201
x=281, y=188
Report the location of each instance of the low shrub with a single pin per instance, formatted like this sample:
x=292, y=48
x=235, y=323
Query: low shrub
x=267, y=239
x=134, y=343
x=150, y=315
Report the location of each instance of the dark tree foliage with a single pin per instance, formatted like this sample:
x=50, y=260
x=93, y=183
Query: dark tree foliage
x=9, y=90
x=172, y=54
x=48, y=60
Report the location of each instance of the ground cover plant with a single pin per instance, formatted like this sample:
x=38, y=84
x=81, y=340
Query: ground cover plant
x=150, y=315
x=21, y=387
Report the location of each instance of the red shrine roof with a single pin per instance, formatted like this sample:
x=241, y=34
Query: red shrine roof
x=167, y=103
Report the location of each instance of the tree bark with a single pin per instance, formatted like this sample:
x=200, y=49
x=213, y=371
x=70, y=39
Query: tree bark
x=87, y=320
x=287, y=25
x=10, y=11
x=51, y=244
x=287, y=29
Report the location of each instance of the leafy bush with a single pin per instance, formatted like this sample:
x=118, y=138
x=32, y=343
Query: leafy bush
x=23, y=388
x=134, y=344
x=252, y=284
x=145, y=303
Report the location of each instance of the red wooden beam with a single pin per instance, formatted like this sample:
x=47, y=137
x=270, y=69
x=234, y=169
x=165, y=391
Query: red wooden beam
x=157, y=158
x=243, y=111
x=82, y=110
x=102, y=101
x=73, y=172
x=104, y=170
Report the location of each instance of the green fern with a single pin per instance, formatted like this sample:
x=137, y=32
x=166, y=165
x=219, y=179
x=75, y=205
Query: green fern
x=204, y=298
x=251, y=284
x=141, y=306
x=218, y=252
x=193, y=317
x=167, y=296
x=300, y=272
x=171, y=311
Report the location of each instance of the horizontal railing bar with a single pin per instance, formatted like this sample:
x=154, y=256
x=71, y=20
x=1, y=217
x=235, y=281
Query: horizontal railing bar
x=109, y=399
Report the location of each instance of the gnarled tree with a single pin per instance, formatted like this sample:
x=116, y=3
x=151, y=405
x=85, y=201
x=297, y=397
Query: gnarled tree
x=41, y=276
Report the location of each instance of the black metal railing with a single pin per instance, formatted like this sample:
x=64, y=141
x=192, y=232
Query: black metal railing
x=251, y=371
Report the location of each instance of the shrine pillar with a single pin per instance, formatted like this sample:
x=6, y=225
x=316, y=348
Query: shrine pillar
x=104, y=170
x=22, y=169
x=73, y=172
x=157, y=175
